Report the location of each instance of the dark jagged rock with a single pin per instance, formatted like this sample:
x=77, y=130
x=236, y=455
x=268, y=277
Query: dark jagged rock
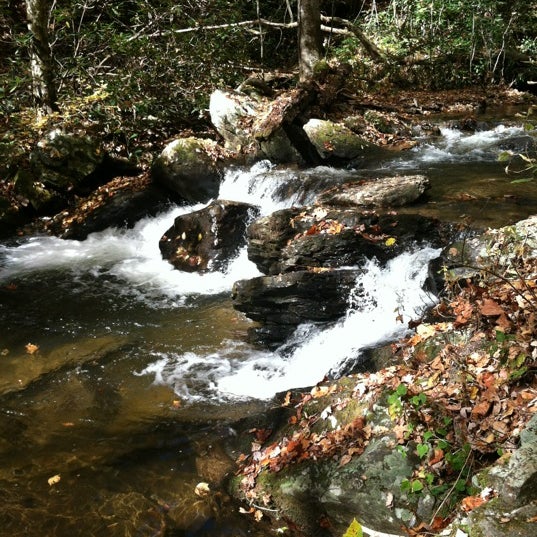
x=267, y=236
x=284, y=301
x=209, y=238
x=307, y=253
x=329, y=237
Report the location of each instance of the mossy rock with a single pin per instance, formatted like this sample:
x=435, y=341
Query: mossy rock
x=34, y=193
x=335, y=140
x=62, y=160
x=189, y=167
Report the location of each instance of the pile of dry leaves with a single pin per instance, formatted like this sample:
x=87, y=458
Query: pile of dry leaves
x=462, y=391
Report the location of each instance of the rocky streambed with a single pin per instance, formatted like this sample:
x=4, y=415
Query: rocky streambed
x=161, y=344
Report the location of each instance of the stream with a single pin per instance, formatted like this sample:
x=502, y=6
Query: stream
x=120, y=377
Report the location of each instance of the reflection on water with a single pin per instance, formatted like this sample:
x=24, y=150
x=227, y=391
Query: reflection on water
x=121, y=395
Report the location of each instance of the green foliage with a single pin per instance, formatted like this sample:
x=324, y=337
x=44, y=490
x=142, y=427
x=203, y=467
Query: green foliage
x=137, y=51
x=454, y=42
x=446, y=465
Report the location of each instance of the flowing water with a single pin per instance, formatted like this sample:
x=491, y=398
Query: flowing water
x=119, y=375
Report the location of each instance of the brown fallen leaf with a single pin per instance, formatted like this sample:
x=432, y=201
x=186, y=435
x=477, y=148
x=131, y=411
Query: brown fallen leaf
x=31, y=348
x=481, y=409
x=471, y=502
x=490, y=308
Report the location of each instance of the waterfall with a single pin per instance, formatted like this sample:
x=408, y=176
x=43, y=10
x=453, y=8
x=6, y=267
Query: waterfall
x=127, y=267
x=394, y=295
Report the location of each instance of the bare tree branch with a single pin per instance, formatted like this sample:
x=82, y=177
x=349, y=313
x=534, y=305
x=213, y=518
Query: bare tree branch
x=349, y=29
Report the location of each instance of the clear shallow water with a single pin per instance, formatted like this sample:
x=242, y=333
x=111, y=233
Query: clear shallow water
x=141, y=368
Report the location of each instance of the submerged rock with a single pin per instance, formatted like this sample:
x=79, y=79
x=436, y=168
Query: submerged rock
x=207, y=239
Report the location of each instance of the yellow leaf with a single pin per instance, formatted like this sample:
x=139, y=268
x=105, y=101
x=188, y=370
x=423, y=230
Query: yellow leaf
x=425, y=331
x=354, y=530
x=390, y=241
x=54, y=479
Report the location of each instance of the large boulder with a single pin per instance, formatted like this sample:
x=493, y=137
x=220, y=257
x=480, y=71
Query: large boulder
x=317, y=486
x=63, y=166
x=189, y=167
x=207, y=239
x=232, y=114
x=282, y=302
x=329, y=237
x=383, y=192
x=62, y=160
x=120, y=203
x=238, y=118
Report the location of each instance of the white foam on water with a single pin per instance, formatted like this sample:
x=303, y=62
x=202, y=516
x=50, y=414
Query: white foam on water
x=130, y=255
x=386, y=299
x=456, y=146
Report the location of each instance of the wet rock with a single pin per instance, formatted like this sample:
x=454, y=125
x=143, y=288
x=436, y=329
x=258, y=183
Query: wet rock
x=284, y=301
x=468, y=124
x=189, y=168
x=267, y=236
x=328, y=237
x=207, y=239
x=382, y=192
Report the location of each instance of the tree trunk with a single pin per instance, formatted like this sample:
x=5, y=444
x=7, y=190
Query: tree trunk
x=309, y=37
x=41, y=61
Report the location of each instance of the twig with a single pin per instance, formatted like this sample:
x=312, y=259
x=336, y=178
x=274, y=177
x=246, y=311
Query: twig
x=470, y=453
